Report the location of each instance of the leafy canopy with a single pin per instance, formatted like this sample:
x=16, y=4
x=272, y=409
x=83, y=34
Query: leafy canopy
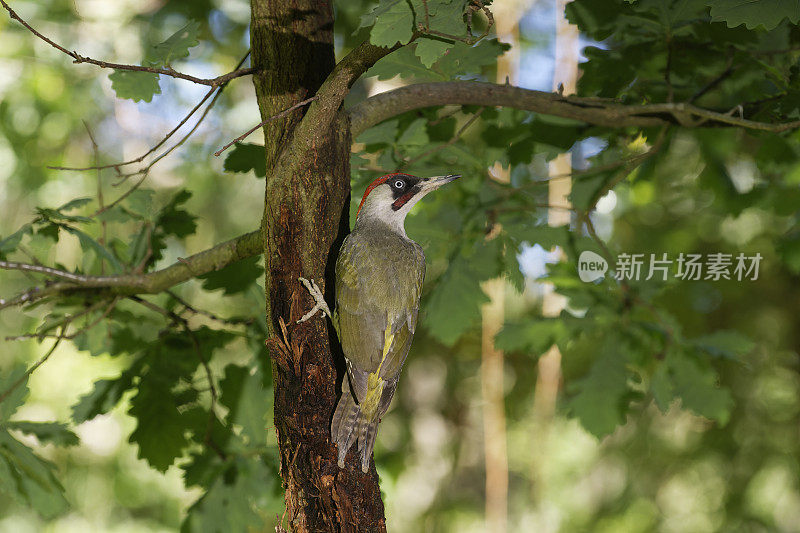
x=198, y=383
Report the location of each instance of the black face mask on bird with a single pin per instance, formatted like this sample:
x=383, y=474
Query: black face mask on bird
x=379, y=275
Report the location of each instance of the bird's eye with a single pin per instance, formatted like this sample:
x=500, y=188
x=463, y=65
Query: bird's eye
x=399, y=184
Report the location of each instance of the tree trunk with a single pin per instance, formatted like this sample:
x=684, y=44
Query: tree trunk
x=305, y=219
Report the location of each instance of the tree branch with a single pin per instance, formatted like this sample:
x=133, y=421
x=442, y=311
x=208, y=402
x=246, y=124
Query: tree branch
x=323, y=111
x=596, y=111
x=166, y=71
x=216, y=258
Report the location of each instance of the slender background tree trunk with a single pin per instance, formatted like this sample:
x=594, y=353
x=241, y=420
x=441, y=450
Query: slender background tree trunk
x=305, y=219
x=493, y=313
x=548, y=381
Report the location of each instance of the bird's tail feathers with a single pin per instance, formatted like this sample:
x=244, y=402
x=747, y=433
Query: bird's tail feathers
x=344, y=422
x=349, y=424
x=368, y=429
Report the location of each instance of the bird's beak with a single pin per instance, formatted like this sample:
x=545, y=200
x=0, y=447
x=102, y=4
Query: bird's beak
x=435, y=182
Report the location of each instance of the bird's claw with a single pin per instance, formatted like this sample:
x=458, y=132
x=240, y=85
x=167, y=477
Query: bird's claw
x=319, y=300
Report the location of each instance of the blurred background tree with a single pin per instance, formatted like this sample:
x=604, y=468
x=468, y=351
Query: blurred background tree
x=678, y=402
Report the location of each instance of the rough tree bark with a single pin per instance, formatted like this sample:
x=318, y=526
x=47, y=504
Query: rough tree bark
x=305, y=219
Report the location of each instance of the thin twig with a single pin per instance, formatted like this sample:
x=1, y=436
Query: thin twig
x=668, y=72
x=148, y=252
x=212, y=415
x=164, y=154
x=452, y=141
x=103, y=316
x=591, y=171
x=207, y=369
x=33, y=368
x=263, y=122
x=145, y=170
x=167, y=136
x=104, y=236
x=627, y=294
x=156, y=308
x=628, y=167
x=474, y=6
x=780, y=51
x=587, y=222
x=190, y=308
x=63, y=322
x=527, y=207
x=151, y=150
x=122, y=196
x=166, y=71
x=444, y=116
x=39, y=269
x=716, y=81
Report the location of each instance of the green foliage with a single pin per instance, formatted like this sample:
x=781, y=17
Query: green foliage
x=142, y=86
x=767, y=13
x=436, y=55
x=104, y=396
x=532, y=336
x=236, y=277
x=10, y=243
x=789, y=249
x=175, y=47
x=24, y=476
x=29, y=479
x=445, y=18
x=699, y=373
x=14, y=398
x=52, y=432
x=237, y=499
x=172, y=220
x=601, y=398
x=458, y=61
x=160, y=429
x=455, y=304
x=695, y=384
x=88, y=244
x=242, y=392
x=136, y=86
x=729, y=344
x=169, y=363
x=392, y=22
x=245, y=157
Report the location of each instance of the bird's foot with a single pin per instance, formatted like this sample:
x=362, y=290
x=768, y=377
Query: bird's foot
x=319, y=300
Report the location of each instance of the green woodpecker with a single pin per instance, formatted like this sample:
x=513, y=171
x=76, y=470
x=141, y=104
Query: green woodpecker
x=379, y=274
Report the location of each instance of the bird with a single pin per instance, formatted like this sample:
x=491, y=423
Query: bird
x=379, y=276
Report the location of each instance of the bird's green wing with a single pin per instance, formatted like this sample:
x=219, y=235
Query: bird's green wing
x=360, y=327
x=376, y=323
